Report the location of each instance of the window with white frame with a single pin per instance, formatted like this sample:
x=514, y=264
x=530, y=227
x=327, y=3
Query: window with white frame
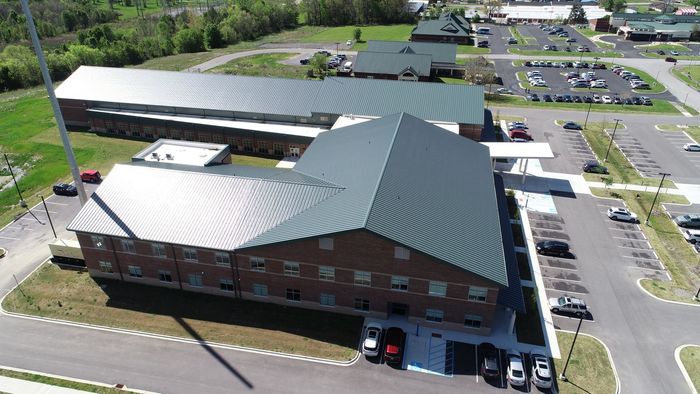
x=361, y=305
x=326, y=273
x=257, y=264
x=294, y=295
x=260, y=290
x=399, y=283
x=363, y=278
x=189, y=254
x=158, y=250
x=438, y=289
x=401, y=253
x=128, y=246
x=477, y=294
x=98, y=241
x=164, y=276
x=222, y=259
x=291, y=268
x=325, y=243
x=106, y=267
x=434, y=315
x=327, y=299
x=472, y=321
x=226, y=284
x=195, y=280
x=135, y=271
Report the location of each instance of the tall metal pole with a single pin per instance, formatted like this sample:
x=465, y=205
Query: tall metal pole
x=663, y=176
x=611, y=140
x=562, y=376
x=54, y=103
x=22, y=203
x=49, y=216
x=589, y=108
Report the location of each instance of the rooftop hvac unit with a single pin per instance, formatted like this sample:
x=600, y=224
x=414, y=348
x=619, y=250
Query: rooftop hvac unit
x=154, y=155
x=169, y=156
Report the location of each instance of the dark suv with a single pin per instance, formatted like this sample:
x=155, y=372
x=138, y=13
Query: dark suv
x=393, y=351
x=556, y=248
x=594, y=167
x=688, y=221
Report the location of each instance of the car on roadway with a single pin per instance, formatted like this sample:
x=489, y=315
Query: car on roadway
x=688, y=221
x=568, y=304
x=373, y=336
x=489, y=365
x=594, y=167
x=624, y=214
x=504, y=91
x=393, y=351
x=692, y=236
x=671, y=59
x=692, y=147
x=551, y=247
x=64, y=189
x=572, y=126
x=516, y=371
x=660, y=52
x=541, y=372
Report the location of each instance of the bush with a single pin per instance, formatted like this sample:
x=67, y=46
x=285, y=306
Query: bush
x=213, y=37
x=188, y=41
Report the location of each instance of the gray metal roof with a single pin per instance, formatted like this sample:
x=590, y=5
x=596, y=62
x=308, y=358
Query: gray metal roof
x=426, y=100
x=440, y=28
x=441, y=52
x=392, y=63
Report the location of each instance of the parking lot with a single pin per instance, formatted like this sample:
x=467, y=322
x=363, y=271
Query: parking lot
x=497, y=38
x=544, y=38
x=678, y=139
x=635, y=152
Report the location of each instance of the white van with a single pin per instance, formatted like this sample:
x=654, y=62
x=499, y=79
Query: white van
x=483, y=30
x=347, y=66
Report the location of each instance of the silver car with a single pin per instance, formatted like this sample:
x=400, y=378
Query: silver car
x=568, y=304
x=541, y=373
x=692, y=147
x=373, y=336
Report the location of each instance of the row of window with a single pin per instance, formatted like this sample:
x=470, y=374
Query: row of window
x=158, y=250
x=194, y=280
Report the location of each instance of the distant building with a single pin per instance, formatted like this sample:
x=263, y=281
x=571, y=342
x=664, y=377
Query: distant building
x=600, y=24
x=449, y=27
x=407, y=61
x=543, y=12
x=654, y=27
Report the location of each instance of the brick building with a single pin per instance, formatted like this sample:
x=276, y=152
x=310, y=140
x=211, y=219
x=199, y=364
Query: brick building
x=415, y=224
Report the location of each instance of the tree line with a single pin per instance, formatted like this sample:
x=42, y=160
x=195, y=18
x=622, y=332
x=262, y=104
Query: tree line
x=357, y=12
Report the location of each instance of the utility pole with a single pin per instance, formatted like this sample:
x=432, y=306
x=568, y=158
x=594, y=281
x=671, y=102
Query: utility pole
x=663, y=176
x=562, y=376
x=54, y=103
x=49, y=216
x=611, y=140
x=22, y=203
x=589, y=107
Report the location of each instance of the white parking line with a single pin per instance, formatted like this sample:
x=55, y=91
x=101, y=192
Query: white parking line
x=16, y=239
x=642, y=258
x=57, y=203
x=567, y=280
x=620, y=229
x=565, y=292
x=559, y=268
x=628, y=239
x=644, y=269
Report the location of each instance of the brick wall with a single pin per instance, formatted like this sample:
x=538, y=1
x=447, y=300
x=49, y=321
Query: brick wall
x=74, y=113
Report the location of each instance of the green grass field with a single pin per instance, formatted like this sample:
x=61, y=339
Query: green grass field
x=664, y=47
x=660, y=106
x=453, y=81
x=589, y=33
x=522, y=40
x=470, y=49
x=689, y=74
x=267, y=65
x=692, y=131
x=86, y=387
x=343, y=33
x=537, y=52
x=589, y=369
x=690, y=356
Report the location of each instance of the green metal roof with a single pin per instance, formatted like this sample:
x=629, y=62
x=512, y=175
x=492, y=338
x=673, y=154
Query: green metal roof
x=392, y=63
x=653, y=17
x=440, y=28
x=441, y=53
x=658, y=26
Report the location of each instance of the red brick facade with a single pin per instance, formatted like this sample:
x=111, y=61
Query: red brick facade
x=449, y=39
x=353, y=252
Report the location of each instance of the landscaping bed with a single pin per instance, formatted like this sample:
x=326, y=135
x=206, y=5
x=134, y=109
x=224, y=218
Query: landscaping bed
x=660, y=106
x=538, y=52
x=528, y=326
x=523, y=266
x=690, y=357
x=589, y=369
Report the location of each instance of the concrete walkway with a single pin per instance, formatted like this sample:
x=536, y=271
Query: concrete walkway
x=19, y=386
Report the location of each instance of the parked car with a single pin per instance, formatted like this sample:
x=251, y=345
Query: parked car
x=373, y=336
x=567, y=304
x=659, y=52
x=688, y=221
x=393, y=351
x=541, y=83
x=692, y=147
x=64, y=189
x=587, y=99
x=504, y=91
x=572, y=126
x=489, y=365
x=606, y=99
x=483, y=44
x=597, y=99
x=594, y=167
x=512, y=41
x=547, y=98
x=551, y=247
x=624, y=214
x=646, y=100
x=519, y=136
x=528, y=64
x=91, y=176
x=617, y=100
x=541, y=372
x=533, y=97
x=516, y=371
x=577, y=99
x=571, y=39
x=516, y=125
x=304, y=61
x=692, y=236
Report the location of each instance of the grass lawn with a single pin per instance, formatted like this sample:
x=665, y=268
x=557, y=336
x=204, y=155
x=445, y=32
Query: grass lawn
x=620, y=170
x=689, y=74
x=538, y=52
x=75, y=296
x=664, y=47
x=528, y=327
x=690, y=356
x=589, y=369
x=522, y=40
x=253, y=161
x=61, y=382
x=660, y=106
x=152, y=7
x=453, y=81
x=589, y=33
x=31, y=139
x=343, y=33
x=267, y=65
x=604, y=45
x=680, y=260
x=693, y=131
x=470, y=49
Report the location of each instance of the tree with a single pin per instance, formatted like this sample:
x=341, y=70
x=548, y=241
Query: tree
x=358, y=33
x=318, y=63
x=212, y=36
x=492, y=7
x=479, y=71
x=614, y=5
x=188, y=41
x=695, y=34
x=578, y=15
x=476, y=18
x=694, y=3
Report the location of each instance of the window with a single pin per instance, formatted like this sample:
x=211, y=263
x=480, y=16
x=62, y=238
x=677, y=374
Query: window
x=278, y=149
x=291, y=269
x=223, y=259
x=189, y=254
x=434, y=315
x=226, y=284
x=260, y=290
x=473, y=321
x=262, y=147
x=477, y=294
x=217, y=138
x=399, y=283
x=164, y=276
x=98, y=241
x=401, y=253
x=363, y=278
x=158, y=250
x=438, y=289
x=326, y=273
x=128, y=246
x=324, y=119
x=195, y=280
x=361, y=305
x=294, y=295
x=325, y=243
x=248, y=145
x=135, y=271
x=106, y=267
x=257, y=264
x=327, y=299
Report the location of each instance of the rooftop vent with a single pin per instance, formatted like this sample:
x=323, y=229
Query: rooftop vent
x=169, y=156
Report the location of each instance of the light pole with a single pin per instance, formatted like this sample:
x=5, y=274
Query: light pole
x=663, y=176
x=595, y=60
x=48, y=216
x=611, y=140
x=562, y=376
x=585, y=124
x=686, y=98
x=22, y=203
x=697, y=296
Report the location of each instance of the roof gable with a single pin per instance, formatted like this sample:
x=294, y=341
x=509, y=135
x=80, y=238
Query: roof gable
x=440, y=52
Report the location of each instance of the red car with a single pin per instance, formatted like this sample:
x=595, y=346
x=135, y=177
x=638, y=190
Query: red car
x=519, y=135
x=91, y=176
x=393, y=351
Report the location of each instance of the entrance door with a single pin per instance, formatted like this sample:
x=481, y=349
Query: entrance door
x=294, y=151
x=397, y=309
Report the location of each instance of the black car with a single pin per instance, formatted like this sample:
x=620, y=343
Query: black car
x=569, y=64
x=568, y=98
x=629, y=101
x=489, y=364
x=661, y=53
x=512, y=41
x=594, y=167
x=483, y=44
x=547, y=98
x=64, y=189
x=636, y=100
x=551, y=247
x=304, y=60
x=617, y=100
x=587, y=99
x=572, y=126
x=528, y=64
x=533, y=97
x=558, y=98
x=325, y=53
x=577, y=99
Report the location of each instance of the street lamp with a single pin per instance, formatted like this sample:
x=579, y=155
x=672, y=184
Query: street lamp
x=562, y=376
x=663, y=176
x=595, y=60
x=697, y=296
x=611, y=140
x=590, y=104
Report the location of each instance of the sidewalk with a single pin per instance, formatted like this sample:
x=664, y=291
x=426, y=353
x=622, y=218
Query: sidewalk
x=19, y=386
x=639, y=188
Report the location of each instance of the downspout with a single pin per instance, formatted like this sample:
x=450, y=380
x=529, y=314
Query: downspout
x=116, y=258
x=233, y=274
x=238, y=276
x=177, y=268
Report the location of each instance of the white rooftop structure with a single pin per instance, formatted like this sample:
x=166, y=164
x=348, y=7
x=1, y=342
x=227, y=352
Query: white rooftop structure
x=185, y=152
x=348, y=120
x=547, y=12
x=517, y=150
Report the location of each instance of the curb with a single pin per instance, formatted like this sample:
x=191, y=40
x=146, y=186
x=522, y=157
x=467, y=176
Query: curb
x=170, y=337
x=677, y=356
x=610, y=358
x=639, y=284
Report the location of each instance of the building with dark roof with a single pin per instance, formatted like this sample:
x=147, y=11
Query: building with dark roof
x=395, y=66
x=266, y=116
x=449, y=27
x=443, y=56
x=654, y=27
x=390, y=216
